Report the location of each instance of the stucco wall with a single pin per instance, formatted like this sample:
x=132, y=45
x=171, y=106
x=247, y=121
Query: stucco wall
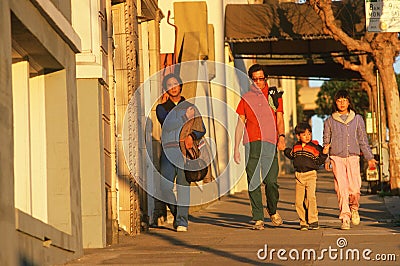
x=43, y=37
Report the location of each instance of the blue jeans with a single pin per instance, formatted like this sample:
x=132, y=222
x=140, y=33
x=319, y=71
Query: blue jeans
x=179, y=205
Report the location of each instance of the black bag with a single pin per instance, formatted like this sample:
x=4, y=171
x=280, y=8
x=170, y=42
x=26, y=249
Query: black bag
x=275, y=95
x=195, y=167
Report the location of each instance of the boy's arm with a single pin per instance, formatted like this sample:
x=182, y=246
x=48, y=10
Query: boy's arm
x=322, y=155
x=321, y=159
x=288, y=153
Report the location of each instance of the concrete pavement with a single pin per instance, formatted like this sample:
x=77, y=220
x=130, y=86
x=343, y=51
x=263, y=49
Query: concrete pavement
x=221, y=235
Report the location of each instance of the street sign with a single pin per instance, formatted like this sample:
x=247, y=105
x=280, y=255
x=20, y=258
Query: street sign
x=382, y=15
x=370, y=125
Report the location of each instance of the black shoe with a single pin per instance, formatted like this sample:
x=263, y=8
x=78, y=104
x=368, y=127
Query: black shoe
x=313, y=226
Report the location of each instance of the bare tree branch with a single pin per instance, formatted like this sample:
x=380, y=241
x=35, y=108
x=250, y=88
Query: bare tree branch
x=324, y=9
x=382, y=48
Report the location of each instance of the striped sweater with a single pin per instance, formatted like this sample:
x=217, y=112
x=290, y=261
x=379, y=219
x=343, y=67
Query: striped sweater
x=306, y=156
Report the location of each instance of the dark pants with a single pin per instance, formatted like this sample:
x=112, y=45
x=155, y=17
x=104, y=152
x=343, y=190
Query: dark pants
x=160, y=211
x=261, y=158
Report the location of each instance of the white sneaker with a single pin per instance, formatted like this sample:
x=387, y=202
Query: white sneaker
x=181, y=228
x=355, y=217
x=345, y=225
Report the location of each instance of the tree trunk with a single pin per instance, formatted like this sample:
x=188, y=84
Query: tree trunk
x=384, y=47
x=384, y=62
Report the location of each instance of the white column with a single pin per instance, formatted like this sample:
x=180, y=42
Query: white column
x=216, y=16
x=22, y=150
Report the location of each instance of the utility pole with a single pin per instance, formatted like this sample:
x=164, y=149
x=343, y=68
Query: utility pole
x=380, y=173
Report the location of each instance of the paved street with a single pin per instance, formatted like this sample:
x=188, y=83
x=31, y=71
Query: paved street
x=221, y=235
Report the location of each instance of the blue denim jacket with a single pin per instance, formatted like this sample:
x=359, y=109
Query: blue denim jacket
x=172, y=118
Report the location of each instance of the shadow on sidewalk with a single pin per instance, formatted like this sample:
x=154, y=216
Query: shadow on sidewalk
x=222, y=219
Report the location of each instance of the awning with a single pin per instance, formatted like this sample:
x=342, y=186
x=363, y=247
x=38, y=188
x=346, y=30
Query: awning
x=289, y=33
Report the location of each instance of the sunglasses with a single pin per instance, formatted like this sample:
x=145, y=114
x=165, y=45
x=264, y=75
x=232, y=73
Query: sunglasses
x=258, y=79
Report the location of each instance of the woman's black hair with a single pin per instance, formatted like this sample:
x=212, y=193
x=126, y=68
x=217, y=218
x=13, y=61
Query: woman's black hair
x=341, y=94
x=167, y=77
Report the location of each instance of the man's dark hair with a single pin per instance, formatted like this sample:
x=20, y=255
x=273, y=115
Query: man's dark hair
x=167, y=77
x=301, y=128
x=341, y=94
x=255, y=68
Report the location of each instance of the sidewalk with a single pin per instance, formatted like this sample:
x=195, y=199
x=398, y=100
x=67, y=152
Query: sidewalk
x=221, y=235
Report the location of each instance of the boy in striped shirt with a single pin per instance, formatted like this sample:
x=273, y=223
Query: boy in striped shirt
x=307, y=156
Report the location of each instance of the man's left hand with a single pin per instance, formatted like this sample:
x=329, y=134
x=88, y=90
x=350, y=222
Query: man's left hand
x=281, y=144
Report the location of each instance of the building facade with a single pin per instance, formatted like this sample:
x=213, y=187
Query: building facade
x=136, y=36
x=74, y=116
x=40, y=170
x=68, y=70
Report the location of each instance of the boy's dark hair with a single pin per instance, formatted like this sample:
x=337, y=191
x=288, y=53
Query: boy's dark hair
x=301, y=128
x=255, y=68
x=341, y=94
x=167, y=77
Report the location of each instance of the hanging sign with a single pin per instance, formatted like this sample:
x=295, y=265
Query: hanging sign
x=382, y=15
x=370, y=126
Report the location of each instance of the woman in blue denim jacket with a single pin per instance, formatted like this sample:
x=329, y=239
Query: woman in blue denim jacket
x=172, y=115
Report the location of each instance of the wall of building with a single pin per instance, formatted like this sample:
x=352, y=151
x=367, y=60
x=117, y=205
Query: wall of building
x=58, y=125
x=92, y=163
x=127, y=81
x=8, y=255
x=149, y=51
x=42, y=206
x=91, y=20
